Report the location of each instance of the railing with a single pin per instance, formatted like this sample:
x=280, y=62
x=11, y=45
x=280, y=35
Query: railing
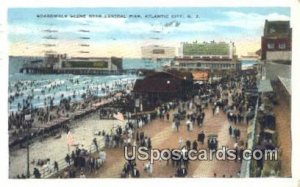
x=246, y=164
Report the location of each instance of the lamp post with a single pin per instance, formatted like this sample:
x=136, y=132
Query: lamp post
x=127, y=115
x=184, y=85
x=137, y=105
x=168, y=87
x=27, y=123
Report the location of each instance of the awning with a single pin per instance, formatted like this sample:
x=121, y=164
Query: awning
x=265, y=86
x=286, y=83
x=200, y=75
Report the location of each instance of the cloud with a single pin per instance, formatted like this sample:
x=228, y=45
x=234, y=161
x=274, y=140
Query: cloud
x=18, y=29
x=122, y=33
x=250, y=21
x=105, y=25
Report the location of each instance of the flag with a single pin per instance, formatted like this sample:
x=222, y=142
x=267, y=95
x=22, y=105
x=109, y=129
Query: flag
x=70, y=138
x=119, y=116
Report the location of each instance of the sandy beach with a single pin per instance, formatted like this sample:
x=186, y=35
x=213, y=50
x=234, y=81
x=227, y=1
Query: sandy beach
x=56, y=149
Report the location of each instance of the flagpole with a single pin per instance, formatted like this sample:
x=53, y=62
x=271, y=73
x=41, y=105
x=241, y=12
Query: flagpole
x=69, y=140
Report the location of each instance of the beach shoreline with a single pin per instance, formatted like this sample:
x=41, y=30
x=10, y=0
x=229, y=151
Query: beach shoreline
x=56, y=148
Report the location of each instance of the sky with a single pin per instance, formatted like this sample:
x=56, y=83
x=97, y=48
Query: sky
x=122, y=31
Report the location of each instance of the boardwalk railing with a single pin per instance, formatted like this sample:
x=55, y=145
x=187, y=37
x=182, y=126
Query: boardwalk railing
x=246, y=164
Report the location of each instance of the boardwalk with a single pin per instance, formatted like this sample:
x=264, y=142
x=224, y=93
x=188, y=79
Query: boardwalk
x=162, y=136
x=283, y=128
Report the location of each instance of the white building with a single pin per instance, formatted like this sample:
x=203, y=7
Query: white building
x=211, y=56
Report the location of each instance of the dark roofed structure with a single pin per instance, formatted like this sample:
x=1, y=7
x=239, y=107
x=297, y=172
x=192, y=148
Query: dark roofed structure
x=157, y=85
x=161, y=87
x=277, y=29
x=186, y=75
x=162, y=82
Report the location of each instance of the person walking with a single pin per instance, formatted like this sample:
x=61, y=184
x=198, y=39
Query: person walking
x=230, y=130
x=174, y=126
x=168, y=116
x=201, y=137
x=188, y=144
x=96, y=144
x=177, y=124
x=191, y=126
x=180, y=143
x=36, y=173
x=56, y=166
x=195, y=145
x=188, y=122
x=217, y=110
x=82, y=175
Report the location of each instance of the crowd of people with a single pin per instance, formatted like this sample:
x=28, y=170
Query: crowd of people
x=226, y=96
x=47, y=100
x=77, y=162
x=130, y=170
x=229, y=97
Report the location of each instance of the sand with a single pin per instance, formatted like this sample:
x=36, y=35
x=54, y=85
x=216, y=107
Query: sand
x=56, y=149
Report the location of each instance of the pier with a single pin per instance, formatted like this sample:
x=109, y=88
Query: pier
x=78, y=71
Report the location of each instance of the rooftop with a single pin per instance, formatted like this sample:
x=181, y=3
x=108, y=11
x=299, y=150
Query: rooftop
x=205, y=48
x=204, y=58
x=286, y=83
x=157, y=46
x=277, y=28
x=162, y=82
x=265, y=86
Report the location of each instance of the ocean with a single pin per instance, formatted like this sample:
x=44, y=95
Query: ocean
x=66, y=85
x=45, y=86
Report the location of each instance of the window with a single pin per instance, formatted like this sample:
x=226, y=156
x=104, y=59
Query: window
x=271, y=46
x=158, y=51
x=190, y=64
x=281, y=46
